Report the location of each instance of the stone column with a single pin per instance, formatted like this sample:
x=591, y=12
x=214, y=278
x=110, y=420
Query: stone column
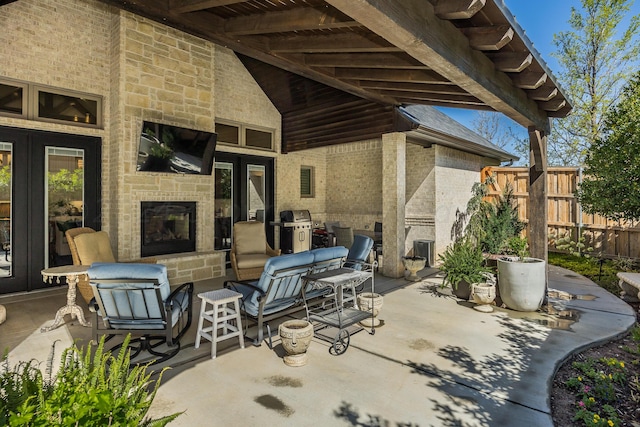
x=393, y=202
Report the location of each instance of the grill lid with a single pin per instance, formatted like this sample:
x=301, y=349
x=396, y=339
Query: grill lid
x=295, y=216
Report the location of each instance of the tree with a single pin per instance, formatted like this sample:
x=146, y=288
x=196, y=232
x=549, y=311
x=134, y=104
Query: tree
x=611, y=185
x=597, y=58
x=492, y=126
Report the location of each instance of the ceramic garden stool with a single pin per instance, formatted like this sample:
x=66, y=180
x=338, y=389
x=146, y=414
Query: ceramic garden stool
x=224, y=309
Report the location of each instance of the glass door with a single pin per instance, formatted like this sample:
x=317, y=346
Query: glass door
x=64, y=194
x=6, y=184
x=223, y=205
x=244, y=190
x=255, y=192
x=49, y=182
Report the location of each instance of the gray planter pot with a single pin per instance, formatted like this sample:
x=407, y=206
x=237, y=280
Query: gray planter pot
x=522, y=284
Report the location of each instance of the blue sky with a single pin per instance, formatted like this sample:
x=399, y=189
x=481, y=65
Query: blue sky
x=540, y=19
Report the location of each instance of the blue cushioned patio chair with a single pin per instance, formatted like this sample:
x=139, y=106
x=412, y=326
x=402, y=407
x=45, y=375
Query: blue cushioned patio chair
x=136, y=299
x=276, y=293
x=357, y=259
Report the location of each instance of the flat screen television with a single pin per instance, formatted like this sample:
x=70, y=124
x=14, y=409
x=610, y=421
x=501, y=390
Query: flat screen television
x=172, y=149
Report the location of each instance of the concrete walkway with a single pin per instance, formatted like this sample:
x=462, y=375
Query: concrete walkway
x=434, y=362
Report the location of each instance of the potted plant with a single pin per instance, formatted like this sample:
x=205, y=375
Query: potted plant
x=463, y=264
x=521, y=279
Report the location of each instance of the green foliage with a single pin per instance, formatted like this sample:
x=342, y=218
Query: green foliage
x=89, y=390
x=595, y=386
x=63, y=187
x=603, y=272
x=597, y=56
x=518, y=246
x=611, y=185
x=463, y=261
x=567, y=243
x=490, y=224
x=5, y=183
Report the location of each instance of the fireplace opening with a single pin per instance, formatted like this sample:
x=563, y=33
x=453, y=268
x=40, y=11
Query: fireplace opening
x=167, y=228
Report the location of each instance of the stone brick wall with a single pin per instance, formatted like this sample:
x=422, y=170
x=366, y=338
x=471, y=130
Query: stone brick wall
x=354, y=184
x=452, y=193
x=420, y=194
x=41, y=42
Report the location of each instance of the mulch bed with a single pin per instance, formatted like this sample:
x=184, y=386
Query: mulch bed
x=563, y=401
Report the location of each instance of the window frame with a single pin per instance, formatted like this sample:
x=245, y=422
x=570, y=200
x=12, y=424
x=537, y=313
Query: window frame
x=242, y=135
x=30, y=96
x=312, y=182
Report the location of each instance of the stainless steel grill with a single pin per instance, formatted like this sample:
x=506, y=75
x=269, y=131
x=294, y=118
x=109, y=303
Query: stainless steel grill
x=295, y=231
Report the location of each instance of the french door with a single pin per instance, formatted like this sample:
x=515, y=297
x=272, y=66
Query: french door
x=49, y=182
x=244, y=191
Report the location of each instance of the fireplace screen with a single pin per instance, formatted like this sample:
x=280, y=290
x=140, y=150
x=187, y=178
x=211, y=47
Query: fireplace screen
x=168, y=228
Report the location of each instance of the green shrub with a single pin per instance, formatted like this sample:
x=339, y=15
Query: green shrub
x=463, y=261
x=88, y=390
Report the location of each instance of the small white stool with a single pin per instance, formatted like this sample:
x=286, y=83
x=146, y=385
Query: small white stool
x=219, y=315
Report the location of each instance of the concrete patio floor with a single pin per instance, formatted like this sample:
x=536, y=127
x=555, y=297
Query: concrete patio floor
x=434, y=362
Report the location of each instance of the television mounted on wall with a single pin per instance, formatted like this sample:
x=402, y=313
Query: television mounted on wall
x=173, y=149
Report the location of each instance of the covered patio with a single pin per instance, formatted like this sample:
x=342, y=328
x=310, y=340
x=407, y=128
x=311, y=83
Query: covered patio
x=433, y=361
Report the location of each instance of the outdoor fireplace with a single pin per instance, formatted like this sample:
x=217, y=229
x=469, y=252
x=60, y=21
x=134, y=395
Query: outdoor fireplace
x=167, y=228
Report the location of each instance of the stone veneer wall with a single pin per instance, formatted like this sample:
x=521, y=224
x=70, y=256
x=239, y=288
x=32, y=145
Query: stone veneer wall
x=164, y=75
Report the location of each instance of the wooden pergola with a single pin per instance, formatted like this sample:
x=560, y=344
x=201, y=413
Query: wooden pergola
x=337, y=69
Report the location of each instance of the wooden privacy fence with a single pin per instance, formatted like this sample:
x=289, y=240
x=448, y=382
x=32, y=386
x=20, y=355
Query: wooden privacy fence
x=610, y=238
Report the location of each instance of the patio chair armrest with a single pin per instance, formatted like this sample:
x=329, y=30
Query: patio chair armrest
x=180, y=289
x=364, y=266
x=93, y=305
x=231, y=284
x=273, y=252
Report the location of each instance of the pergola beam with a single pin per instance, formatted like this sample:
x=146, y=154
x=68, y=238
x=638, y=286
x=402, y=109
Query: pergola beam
x=511, y=62
x=362, y=60
x=457, y=9
x=413, y=26
x=538, y=208
x=350, y=42
x=184, y=6
x=300, y=19
x=489, y=38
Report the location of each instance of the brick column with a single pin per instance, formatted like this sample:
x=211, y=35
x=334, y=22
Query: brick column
x=393, y=202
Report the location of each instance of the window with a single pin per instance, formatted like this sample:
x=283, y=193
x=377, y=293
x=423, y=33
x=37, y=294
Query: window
x=306, y=181
x=244, y=135
x=60, y=105
x=228, y=134
x=13, y=100
x=32, y=102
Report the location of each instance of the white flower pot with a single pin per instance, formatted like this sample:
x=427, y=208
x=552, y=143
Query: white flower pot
x=522, y=284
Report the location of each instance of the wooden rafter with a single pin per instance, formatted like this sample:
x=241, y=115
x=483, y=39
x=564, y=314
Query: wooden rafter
x=184, y=6
x=511, y=62
x=410, y=87
x=423, y=76
x=349, y=42
x=458, y=9
x=489, y=38
x=290, y=20
x=543, y=93
x=363, y=60
x=529, y=79
x=440, y=45
x=553, y=105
